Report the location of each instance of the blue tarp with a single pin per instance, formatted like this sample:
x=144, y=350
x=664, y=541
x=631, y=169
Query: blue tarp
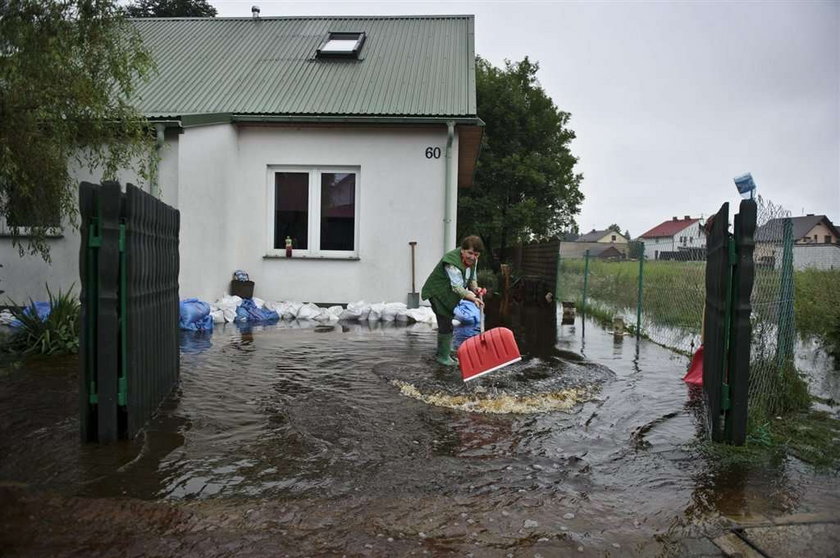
x=195, y=315
x=42, y=310
x=467, y=313
x=248, y=312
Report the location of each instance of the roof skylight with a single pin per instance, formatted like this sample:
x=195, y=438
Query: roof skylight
x=343, y=45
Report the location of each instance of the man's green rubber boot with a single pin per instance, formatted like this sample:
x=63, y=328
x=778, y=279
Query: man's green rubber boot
x=444, y=347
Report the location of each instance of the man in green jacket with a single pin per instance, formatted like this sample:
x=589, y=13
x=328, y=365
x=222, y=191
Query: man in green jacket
x=452, y=279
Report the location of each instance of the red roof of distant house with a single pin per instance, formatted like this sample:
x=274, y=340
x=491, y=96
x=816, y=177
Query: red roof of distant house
x=669, y=228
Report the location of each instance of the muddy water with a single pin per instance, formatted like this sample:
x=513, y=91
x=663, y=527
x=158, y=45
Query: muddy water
x=351, y=438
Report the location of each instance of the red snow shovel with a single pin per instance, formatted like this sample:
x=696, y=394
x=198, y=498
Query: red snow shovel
x=487, y=352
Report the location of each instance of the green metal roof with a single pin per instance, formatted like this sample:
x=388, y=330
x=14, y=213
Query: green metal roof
x=412, y=66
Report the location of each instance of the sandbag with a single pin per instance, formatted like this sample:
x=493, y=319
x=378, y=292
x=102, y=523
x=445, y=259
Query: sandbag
x=361, y=309
x=308, y=311
x=334, y=313
x=391, y=310
x=467, y=313
x=195, y=315
x=376, y=312
x=248, y=312
x=424, y=314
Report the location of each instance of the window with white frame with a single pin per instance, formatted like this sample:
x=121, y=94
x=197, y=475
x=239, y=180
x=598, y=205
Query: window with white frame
x=316, y=208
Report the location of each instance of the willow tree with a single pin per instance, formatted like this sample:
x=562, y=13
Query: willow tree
x=67, y=71
x=525, y=184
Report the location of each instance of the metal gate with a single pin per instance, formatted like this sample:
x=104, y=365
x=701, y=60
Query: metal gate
x=128, y=264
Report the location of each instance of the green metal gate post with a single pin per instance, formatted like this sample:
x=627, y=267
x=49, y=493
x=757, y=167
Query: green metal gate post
x=785, y=334
x=585, y=279
x=640, y=298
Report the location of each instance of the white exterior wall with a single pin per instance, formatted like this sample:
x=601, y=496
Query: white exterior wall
x=400, y=194
x=206, y=195
x=694, y=239
x=218, y=177
x=812, y=256
x=27, y=277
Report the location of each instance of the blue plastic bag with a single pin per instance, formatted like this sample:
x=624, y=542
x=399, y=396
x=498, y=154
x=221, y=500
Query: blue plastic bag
x=42, y=310
x=248, y=312
x=467, y=313
x=195, y=315
x=463, y=332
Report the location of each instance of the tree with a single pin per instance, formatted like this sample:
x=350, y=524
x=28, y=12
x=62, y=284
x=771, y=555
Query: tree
x=171, y=8
x=525, y=184
x=67, y=70
x=614, y=228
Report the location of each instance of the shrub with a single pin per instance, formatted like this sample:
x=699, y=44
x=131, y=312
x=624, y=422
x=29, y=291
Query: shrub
x=57, y=334
x=488, y=280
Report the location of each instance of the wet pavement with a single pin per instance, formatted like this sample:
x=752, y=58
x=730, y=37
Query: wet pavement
x=298, y=440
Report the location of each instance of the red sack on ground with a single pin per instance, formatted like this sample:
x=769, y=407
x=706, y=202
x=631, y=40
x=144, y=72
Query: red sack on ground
x=695, y=370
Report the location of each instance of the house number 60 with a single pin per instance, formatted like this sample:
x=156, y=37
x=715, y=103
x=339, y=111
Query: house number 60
x=433, y=153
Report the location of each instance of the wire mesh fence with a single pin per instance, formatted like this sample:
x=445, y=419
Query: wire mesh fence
x=795, y=302
x=672, y=296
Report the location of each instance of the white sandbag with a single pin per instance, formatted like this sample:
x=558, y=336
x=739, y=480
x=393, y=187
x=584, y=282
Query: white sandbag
x=218, y=316
x=349, y=315
x=291, y=311
x=228, y=306
x=272, y=306
x=424, y=314
x=308, y=311
x=389, y=313
x=334, y=313
x=258, y=302
x=233, y=299
x=361, y=308
x=376, y=312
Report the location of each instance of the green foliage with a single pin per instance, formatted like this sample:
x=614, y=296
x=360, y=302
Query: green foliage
x=171, y=8
x=525, y=185
x=634, y=248
x=67, y=70
x=58, y=334
x=779, y=391
x=665, y=284
x=817, y=306
x=488, y=280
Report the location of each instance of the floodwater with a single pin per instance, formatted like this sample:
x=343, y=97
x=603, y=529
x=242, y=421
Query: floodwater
x=349, y=439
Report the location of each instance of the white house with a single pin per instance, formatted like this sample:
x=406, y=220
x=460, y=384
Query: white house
x=673, y=236
x=348, y=135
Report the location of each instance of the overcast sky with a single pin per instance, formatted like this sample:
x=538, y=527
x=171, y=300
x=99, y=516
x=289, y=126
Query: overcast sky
x=669, y=101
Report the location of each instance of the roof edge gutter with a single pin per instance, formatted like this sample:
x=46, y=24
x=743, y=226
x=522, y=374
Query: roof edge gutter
x=464, y=120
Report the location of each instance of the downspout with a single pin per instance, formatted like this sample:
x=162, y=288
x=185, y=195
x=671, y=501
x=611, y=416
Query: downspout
x=448, y=206
x=154, y=183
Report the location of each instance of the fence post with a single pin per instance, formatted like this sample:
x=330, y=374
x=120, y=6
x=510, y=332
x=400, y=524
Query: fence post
x=739, y=354
x=785, y=333
x=585, y=280
x=640, y=297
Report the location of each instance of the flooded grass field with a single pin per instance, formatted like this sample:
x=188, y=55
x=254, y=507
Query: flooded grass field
x=350, y=440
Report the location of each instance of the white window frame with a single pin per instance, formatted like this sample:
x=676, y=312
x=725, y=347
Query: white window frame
x=314, y=208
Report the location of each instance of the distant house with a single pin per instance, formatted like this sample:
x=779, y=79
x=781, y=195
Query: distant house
x=677, y=235
x=578, y=249
x=348, y=135
x=606, y=236
x=816, y=242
